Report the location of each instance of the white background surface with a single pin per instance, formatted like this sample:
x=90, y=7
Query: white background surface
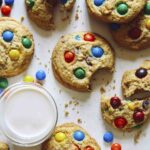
x=88, y=102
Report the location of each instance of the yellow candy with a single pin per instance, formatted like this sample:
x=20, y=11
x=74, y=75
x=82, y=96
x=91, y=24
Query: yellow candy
x=131, y=106
x=14, y=54
x=59, y=137
x=28, y=79
x=148, y=24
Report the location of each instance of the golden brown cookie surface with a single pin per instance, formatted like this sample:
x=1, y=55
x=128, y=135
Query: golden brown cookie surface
x=136, y=34
x=124, y=114
x=138, y=80
x=67, y=4
x=16, y=46
x=115, y=11
x=70, y=136
x=78, y=56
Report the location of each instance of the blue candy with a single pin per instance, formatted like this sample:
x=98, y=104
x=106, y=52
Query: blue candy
x=97, y=51
x=9, y=2
x=40, y=75
x=1, y=90
x=114, y=26
x=77, y=37
x=108, y=137
x=8, y=36
x=98, y=2
x=79, y=135
x=63, y=1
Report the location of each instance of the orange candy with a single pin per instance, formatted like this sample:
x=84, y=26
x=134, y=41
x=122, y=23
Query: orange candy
x=89, y=37
x=116, y=146
x=88, y=148
x=69, y=56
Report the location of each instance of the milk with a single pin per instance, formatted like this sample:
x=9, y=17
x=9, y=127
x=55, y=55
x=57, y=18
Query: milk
x=29, y=114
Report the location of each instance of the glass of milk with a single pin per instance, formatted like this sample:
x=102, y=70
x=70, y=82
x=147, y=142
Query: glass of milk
x=28, y=114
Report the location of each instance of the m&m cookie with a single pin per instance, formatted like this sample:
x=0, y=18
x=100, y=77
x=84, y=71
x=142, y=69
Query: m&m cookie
x=70, y=136
x=125, y=115
x=137, y=81
x=4, y=146
x=78, y=56
x=121, y=11
x=136, y=34
x=17, y=47
x=67, y=4
x=41, y=12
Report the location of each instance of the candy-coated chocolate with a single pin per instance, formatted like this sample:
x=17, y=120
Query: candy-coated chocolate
x=120, y=122
x=115, y=146
x=115, y=26
x=30, y=3
x=40, y=75
x=3, y=83
x=1, y=2
x=99, y=2
x=88, y=148
x=79, y=73
x=89, y=37
x=1, y=90
x=8, y=36
x=115, y=102
x=77, y=37
x=26, y=42
x=78, y=135
x=122, y=8
x=6, y=10
x=131, y=106
x=9, y=2
x=14, y=54
x=63, y=1
x=69, y=56
x=147, y=8
x=28, y=79
x=148, y=24
x=146, y=104
x=60, y=136
x=108, y=137
x=97, y=51
x=141, y=73
x=134, y=33
x=138, y=116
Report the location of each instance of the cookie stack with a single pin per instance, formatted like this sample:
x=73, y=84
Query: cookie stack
x=129, y=21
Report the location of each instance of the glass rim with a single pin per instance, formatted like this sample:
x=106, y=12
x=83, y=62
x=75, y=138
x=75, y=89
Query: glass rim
x=39, y=141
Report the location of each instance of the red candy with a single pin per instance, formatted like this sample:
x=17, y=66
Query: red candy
x=138, y=116
x=88, y=148
x=115, y=146
x=134, y=33
x=6, y=10
x=120, y=122
x=115, y=102
x=69, y=56
x=89, y=37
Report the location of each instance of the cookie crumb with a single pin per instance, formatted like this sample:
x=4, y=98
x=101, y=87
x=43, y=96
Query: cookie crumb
x=102, y=90
x=22, y=19
x=79, y=120
x=66, y=113
x=66, y=105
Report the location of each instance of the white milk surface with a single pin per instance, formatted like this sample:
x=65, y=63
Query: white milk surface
x=29, y=114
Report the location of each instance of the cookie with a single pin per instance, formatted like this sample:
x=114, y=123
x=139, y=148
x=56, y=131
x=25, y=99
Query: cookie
x=70, y=136
x=17, y=47
x=137, y=81
x=124, y=114
x=78, y=56
x=3, y=146
x=41, y=12
x=67, y=4
x=115, y=11
x=135, y=35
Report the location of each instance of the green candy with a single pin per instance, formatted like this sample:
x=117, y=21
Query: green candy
x=79, y=73
x=122, y=8
x=3, y=83
x=147, y=9
x=26, y=42
x=30, y=3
